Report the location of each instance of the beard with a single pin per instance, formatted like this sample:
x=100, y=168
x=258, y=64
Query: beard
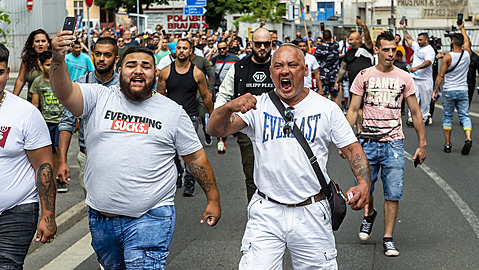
x=145, y=93
x=260, y=58
x=106, y=69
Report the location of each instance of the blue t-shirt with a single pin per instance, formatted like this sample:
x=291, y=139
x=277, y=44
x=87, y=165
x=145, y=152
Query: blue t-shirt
x=78, y=66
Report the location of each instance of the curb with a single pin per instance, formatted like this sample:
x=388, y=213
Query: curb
x=65, y=221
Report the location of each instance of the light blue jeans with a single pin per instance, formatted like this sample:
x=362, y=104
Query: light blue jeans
x=133, y=243
x=389, y=157
x=460, y=101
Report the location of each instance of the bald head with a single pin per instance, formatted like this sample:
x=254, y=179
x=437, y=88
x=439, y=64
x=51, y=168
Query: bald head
x=355, y=40
x=289, y=47
x=261, y=34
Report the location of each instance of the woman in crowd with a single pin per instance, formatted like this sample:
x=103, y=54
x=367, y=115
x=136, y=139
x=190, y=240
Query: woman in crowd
x=37, y=42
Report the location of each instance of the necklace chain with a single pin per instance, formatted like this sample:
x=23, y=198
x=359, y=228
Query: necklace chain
x=4, y=95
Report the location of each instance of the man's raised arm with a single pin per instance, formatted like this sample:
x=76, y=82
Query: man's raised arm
x=68, y=93
x=224, y=121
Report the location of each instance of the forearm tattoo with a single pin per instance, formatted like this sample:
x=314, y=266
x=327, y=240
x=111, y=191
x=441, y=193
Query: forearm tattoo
x=46, y=187
x=50, y=222
x=201, y=176
x=361, y=168
x=230, y=121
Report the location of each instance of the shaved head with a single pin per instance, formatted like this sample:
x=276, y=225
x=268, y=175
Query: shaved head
x=261, y=33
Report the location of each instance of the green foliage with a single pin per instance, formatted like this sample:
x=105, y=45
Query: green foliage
x=4, y=17
x=217, y=9
x=272, y=11
x=129, y=5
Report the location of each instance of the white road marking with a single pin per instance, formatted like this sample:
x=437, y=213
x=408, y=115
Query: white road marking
x=73, y=256
x=466, y=211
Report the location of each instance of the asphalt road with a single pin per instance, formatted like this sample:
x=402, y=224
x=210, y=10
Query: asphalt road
x=437, y=227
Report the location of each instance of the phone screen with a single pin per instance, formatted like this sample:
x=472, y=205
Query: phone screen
x=69, y=24
x=460, y=17
x=403, y=20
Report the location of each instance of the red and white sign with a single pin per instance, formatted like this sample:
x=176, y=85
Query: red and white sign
x=89, y=3
x=180, y=22
x=3, y=135
x=29, y=5
x=132, y=127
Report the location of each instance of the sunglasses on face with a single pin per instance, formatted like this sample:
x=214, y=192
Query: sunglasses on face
x=222, y=48
x=258, y=44
x=289, y=118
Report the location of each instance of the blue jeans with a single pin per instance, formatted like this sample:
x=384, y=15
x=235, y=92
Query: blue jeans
x=17, y=228
x=460, y=101
x=133, y=243
x=389, y=157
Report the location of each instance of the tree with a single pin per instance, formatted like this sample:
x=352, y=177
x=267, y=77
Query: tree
x=129, y=5
x=4, y=17
x=217, y=9
x=272, y=11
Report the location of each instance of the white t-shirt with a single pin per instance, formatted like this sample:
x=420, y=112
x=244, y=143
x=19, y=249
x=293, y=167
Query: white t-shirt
x=312, y=63
x=165, y=61
x=131, y=149
x=22, y=127
x=421, y=55
x=281, y=167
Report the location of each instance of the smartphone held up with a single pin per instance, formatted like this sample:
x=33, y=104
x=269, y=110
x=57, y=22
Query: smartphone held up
x=69, y=24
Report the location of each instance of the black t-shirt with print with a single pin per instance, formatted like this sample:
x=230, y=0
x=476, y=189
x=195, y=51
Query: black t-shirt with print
x=258, y=80
x=356, y=64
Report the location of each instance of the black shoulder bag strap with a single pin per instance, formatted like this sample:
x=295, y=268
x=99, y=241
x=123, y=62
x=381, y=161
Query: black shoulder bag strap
x=454, y=67
x=217, y=75
x=304, y=144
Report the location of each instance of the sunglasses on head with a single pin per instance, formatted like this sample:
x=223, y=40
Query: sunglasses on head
x=258, y=44
x=289, y=118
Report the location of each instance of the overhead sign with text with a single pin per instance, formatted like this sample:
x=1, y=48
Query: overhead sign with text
x=194, y=11
x=431, y=9
x=201, y=3
x=180, y=22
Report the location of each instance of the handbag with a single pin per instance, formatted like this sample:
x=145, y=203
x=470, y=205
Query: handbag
x=333, y=192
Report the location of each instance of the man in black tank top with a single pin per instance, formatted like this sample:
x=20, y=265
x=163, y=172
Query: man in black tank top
x=249, y=75
x=180, y=81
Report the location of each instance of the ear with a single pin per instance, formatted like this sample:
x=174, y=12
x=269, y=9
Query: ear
x=306, y=70
x=117, y=58
x=376, y=50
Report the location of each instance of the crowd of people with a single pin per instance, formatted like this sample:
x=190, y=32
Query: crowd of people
x=141, y=98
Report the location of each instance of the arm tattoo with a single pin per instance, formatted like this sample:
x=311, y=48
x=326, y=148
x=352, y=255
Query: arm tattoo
x=201, y=176
x=231, y=120
x=50, y=222
x=46, y=186
x=360, y=167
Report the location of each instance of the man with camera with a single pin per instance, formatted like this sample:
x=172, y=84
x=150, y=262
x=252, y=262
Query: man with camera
x=455, y=66
x=421, y=70
x=289, y=209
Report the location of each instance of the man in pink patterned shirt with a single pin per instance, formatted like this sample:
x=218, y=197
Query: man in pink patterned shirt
x=382, y=88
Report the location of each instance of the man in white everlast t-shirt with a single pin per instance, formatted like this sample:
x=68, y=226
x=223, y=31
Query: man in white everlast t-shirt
x=455, y=66
x=421, y=70
x=130, y=190
x=289, y=208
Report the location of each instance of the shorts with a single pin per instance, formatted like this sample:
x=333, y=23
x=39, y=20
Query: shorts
x=328, y=88
x=389, y=157
x=54, y=135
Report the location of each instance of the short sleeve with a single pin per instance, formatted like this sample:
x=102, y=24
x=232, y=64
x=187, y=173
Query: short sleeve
x=90, y=64
x=248, y=117
x=358, y=83
x=36, y=132
x=34, y=88
x=315, y=64
x=431, y=55
x=341, y=132
x=415, y=45
x=90, y=94
x=410, y=87
x=186, y=140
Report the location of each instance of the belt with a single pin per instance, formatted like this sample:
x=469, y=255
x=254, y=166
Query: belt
x=83, y=149
x=318, y=197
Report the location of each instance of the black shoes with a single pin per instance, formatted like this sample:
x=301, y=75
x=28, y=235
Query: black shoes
x=467, y=147
x=189, y=190
x=367, y=226
x=447, y=148
x=61, y=187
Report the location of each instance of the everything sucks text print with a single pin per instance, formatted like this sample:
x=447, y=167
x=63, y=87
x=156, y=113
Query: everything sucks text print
x=131, y=123
x=273, y=127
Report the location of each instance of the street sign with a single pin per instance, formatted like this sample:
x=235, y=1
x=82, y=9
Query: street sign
x=194, y=11
x=89, y=3
x=30, y=5
x=198, y=3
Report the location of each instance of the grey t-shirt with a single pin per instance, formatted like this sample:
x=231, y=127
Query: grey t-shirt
x=131, y=146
